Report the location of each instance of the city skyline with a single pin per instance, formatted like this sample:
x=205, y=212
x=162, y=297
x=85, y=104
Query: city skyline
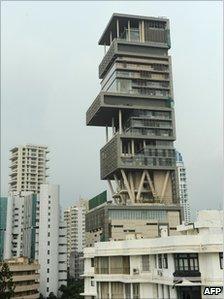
x=57, y=81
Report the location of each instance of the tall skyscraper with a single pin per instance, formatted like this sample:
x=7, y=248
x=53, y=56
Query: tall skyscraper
x=74, y=218
x=52, y=242
x=28, y=168
x=182, y=177
x=136, y=103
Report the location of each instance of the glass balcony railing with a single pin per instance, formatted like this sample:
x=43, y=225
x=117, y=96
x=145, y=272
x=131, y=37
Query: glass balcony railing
x=142, y=160
x=148, y=132
x=131, y=35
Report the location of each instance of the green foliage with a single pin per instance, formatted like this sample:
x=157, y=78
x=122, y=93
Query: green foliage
x=6, y=282
x=72, y=290
x=52, y=296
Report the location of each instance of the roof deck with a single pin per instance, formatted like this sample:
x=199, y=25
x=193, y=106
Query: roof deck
x=132, y=27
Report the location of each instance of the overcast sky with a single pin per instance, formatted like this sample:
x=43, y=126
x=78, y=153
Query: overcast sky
x=50, y=59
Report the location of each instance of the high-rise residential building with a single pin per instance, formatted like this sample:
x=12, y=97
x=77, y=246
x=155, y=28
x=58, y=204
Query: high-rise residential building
x=182, y=178
x=25, y=277
x=3, y=212
x=52, y=242
x=74, y=218
x=21, y=229
x=28, y=168
x=136, y=103
x=174, y=267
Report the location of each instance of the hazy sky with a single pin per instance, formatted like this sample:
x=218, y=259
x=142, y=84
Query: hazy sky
x=50, y=59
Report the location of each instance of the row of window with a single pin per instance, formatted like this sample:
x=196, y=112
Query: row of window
x=121, y=264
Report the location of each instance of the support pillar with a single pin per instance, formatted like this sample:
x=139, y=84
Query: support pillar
x=166, y=292
x=129, y=30
x=173, y=292
x=118, y=29
x=120, y=121
x=107, y=134
x=160, y=291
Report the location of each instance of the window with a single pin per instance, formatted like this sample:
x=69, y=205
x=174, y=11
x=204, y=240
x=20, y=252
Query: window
x=48, y=252
x=128, y=290
x=165, y=261
x=221, y=260
x=48, y=270
x=48, y=234
x=135, y=290
x=47, y=279
x=145, y=262
x=92, y=282
x=48, y=243
x=48, y=261
x=92, y=262
x=47, y=289
x=160, y=261
x=186, y=262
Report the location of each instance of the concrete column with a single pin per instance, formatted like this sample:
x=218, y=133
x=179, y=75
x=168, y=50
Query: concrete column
x=112, y=125
x=109, y=290
x=166, y=292
x=118, y=31
x=143, y=31
x=120, y=121
x=107, y=134
x=129, y=31
x=132, y=147
x=173, y=292
x=160, y=291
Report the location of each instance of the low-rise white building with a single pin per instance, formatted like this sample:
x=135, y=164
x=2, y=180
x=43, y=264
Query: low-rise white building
x=172, y=267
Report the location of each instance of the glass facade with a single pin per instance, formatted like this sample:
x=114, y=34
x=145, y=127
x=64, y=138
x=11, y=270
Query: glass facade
x=138, y=214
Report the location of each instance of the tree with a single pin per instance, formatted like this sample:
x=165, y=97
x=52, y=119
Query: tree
x=7, y=286
x=72, y=290
x=52, y=296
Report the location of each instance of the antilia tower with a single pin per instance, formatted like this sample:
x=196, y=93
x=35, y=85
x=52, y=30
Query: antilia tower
x=136, y=106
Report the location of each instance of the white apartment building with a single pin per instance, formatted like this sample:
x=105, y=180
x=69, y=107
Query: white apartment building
x=28, y=168
x=183, y=192
x=74, y=218
x=20, y=236
x=175, y=267
x=52, y=242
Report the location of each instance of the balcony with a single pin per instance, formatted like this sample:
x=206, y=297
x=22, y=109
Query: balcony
x=122, y=46
x=187, y=273
x=107, y=104
x=113, y=159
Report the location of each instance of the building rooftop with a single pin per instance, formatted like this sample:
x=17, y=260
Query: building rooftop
x=199, y=241
x=123, y=18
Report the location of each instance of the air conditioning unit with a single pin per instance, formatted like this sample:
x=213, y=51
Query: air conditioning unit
x=135, y=271
x=159, y=272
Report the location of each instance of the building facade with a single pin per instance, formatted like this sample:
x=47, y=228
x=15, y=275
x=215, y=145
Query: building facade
x=136, y=106
x=182, y=178
x=21, y=230
x=28, y=168
x=52, y=242
x=174, y=267
x=75, y=218
x=3, y=212
x=25, y=277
